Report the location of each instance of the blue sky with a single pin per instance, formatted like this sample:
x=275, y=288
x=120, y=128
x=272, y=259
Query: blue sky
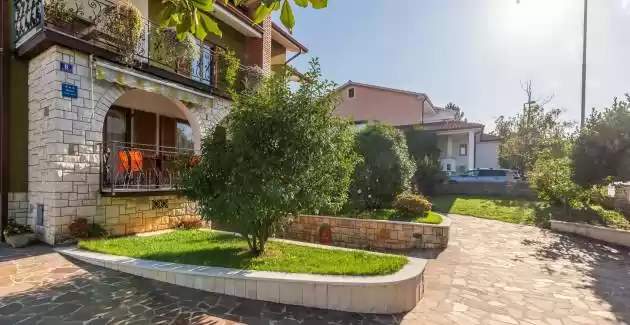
x=474, y=53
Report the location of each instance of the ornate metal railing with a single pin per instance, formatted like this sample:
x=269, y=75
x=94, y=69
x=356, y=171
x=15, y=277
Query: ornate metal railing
x=99, y=23
x=128, y=167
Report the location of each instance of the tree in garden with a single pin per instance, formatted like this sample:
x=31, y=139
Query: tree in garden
x=281, y=152
x=459, y=114
x=529, y=133
x=193, y=16
x=602, y=149
x=385, y=169
x=551, y=176
x=424, y=152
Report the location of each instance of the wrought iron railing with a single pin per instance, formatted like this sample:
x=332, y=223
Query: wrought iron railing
x=92, y=21
x=128, y=167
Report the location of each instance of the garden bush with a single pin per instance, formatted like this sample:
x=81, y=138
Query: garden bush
x=282, y=152
x=385, y=169
x=411, y=205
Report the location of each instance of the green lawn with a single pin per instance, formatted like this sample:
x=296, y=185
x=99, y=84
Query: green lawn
x=205, y=248
x=390, y=214
x=524, y=211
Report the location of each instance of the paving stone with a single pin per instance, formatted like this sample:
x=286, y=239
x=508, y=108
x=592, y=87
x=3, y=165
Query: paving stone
x=491, y=273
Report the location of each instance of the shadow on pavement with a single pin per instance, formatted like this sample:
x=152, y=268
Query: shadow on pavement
x=608, y=267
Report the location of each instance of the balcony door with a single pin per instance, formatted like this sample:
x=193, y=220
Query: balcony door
x=201, y=69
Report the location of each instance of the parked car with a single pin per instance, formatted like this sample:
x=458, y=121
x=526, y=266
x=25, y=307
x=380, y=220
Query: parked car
x=487, y=175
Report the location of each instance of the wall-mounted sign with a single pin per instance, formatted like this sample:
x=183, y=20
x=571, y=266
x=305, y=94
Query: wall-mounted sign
x=66, y=67
x=69, y=90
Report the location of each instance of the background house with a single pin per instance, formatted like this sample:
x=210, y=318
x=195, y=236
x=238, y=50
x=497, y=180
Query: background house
x=462, y=144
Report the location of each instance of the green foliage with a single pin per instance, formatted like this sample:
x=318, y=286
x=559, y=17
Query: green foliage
x=228, y=66
x=167, y=49
x=602, y=150
x=282, y=152
x=13, y=229
x=459, y=114
x=124, y=23
x=428, y=174
x=411, y=205
x=552, y=178
x=189, y=16
x=385, y=170
x=391, y=214
x=193, y=15
x=529, y=133
x=57, y=11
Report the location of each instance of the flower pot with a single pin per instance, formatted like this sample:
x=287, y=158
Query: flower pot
x=16, y=241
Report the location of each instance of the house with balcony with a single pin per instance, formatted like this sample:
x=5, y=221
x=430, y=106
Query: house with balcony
x=101, y=105
x=463, y=145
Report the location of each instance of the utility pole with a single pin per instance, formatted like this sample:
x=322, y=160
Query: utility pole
x=583, y=112
x=584, y=33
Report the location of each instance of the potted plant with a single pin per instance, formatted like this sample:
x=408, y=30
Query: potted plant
x=124, y=24
x=168, y=50
x=18, y=235
x=60, y=14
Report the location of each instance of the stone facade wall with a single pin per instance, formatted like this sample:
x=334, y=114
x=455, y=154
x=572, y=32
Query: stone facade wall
x=362, y=233
x=18, y=207
x=622, y=199
x=488, y=189
x=64, y=148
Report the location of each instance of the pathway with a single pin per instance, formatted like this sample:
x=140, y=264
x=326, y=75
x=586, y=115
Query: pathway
x=492, y=273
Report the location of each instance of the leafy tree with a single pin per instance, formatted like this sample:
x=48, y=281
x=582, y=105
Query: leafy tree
x=529, y=133
x=424, y=151
x=193, y=16
x=459, y=114
x=281, y=152
x=385, y=170
x=602, y=149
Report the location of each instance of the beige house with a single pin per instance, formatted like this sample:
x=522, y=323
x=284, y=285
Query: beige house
x=463, y=144
x=93, y=127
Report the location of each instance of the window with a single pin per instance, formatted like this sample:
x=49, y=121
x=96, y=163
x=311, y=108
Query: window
x=184, y=136
x=351, y=93
x=492, y=172
x=463, y=149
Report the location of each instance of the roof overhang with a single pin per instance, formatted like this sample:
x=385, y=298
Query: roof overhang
x=236, y=20
x=285, y=39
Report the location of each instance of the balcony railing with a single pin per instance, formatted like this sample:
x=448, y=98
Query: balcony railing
x=140, y=168
x=96, y=22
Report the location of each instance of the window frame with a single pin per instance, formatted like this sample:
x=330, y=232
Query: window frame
x=353, y=91
x=465, y=147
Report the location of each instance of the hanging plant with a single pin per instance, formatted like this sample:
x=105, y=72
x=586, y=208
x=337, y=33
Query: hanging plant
x=227, y=66
x=167, y=49
x=124, y=24
x=57, y=12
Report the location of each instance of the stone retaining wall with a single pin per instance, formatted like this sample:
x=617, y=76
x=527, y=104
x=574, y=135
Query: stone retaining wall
x=488, y=189
x=609, y=235
x=363, y=233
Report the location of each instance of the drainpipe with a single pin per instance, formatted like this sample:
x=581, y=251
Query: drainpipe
x=5, y=57
x=293, y=57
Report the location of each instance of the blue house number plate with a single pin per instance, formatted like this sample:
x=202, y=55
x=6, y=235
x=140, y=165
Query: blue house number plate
x=66, y=67
x=69, y=90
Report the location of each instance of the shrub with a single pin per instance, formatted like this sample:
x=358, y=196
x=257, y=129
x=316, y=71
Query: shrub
x=283, y=152
x=411, y=205
x=124, y=23
x=190, y=224
x=552, y=178
x=80, y=228
x=428, y=174
x=13, y=229
x=385, y=170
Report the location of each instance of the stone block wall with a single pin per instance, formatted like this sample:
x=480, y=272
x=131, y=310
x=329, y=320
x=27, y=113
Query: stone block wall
x=488, y=189
x=363, y=233
x=18, y=207
x=622, y=199
x=64, y=149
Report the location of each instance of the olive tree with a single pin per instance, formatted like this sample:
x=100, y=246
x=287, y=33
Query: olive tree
x=281, y=152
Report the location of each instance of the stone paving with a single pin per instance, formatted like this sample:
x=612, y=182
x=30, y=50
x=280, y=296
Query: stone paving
x=491, y=273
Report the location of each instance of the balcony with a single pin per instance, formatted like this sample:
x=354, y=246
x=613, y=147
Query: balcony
x=93, y=26
x=132, y=168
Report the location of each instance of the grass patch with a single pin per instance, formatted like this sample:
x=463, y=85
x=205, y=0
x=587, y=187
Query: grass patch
x=390, y=214
x=524, y=211
x=197, y=247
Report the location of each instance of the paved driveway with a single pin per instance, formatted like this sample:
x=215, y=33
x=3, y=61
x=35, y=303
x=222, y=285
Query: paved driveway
x=492, y=273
